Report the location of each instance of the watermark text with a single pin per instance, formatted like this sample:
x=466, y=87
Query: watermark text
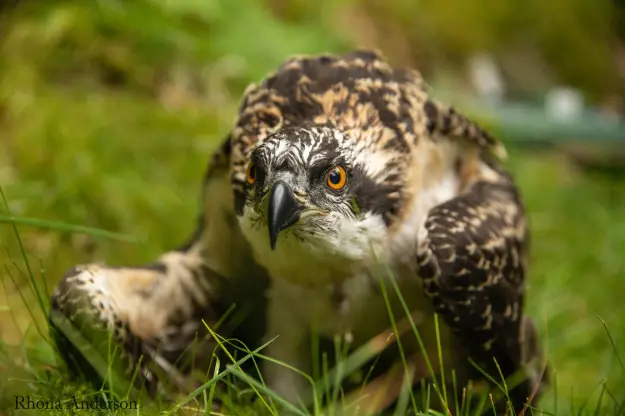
x=73, y=402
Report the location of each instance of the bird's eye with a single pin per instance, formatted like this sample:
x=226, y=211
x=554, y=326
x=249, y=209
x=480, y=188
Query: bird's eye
x=250, y=174
x=337, y=178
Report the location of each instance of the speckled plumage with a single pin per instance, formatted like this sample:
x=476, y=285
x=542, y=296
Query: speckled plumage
x=423, y=194
x=361, y=95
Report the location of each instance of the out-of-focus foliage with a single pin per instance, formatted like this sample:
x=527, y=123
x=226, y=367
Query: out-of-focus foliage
x=571, y=35
x=142, y=43
x=574, y=39
x=110, y=109
x=128, y=60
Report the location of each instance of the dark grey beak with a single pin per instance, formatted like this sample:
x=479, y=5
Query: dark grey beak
x=283, y=212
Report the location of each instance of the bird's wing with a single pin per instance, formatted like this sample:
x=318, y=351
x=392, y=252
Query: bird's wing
x=445, y=121
x=156, y=310
x=472, y=263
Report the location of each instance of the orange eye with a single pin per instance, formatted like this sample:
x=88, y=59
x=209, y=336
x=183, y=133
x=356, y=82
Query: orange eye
x=337, y=178
x=250, y=174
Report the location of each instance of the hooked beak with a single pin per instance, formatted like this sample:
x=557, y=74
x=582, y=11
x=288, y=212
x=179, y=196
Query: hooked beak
x=284, y=210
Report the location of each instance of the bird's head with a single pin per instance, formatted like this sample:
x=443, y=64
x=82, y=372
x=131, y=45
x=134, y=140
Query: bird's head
x=318, y=192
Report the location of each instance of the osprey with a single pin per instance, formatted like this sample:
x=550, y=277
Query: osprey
x=342, y=196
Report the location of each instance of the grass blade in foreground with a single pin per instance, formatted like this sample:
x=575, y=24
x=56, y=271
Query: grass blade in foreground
x=252, y=382
x=65, y=227
x=220, y=376
x=100, y=364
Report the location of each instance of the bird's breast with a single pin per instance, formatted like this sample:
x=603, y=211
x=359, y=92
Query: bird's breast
x=360, y=305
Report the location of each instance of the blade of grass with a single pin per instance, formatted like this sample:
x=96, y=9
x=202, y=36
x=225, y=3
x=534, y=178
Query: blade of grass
x=414, y=327
x=370, y=372
x=246, y=350
x=315, y=341
x=12, y=313
x=404, y=397
x=542, y=412
x=86, y=349
x=618, y=408
x=485, y=374
x=607, y=330
x=440, y=356
x=67, y=228
x=482, y=403
x=389, y=309
x=505, y=385
x=44, y=279
x=583, y=406
x=31, y=287
x=298, y=371
x=220, y=376
x=326, y=375
x=252, y=382
x=134, y=377
x=463, y=403
x=336, y=385
x=357, y=359
x=211, y=394
x=455, y=387
x=111, y=358
x=598, y=408
x=492, y=404
x=217, y=339
x=349, y=403
x=25, y=303
x=341, y=346
x=378, y=394
x=555, y=391
x=417, y=334
x=24, y=256
x=223, y=317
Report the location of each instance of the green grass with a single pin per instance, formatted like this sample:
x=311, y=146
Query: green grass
x=105, y=129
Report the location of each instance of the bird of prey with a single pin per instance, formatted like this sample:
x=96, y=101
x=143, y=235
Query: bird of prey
x=342, y=196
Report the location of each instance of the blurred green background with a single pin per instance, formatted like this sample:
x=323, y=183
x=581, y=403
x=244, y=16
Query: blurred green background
x=109, y=111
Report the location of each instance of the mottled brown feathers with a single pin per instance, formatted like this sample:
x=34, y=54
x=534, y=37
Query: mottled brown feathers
x=446, y=121
x=473, y=267
x=358, y=93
